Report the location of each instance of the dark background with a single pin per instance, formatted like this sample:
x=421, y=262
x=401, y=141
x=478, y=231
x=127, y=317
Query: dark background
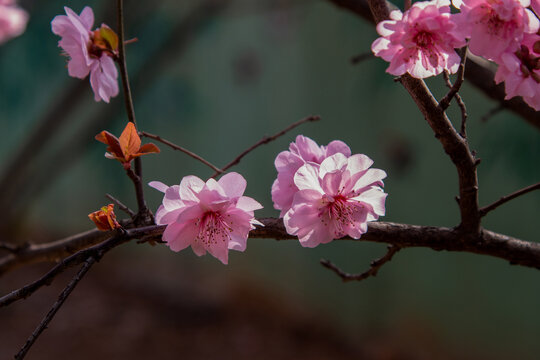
x=215, y=79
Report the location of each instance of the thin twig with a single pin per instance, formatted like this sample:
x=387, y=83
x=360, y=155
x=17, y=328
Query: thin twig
x=179, y=148
x=445, y=101
x=128, y=100
x=461, y=104
x=56, y=306
x=506, y=198
x=373, y=270
x=265, y=140
x=120, y=205
x=144, y=214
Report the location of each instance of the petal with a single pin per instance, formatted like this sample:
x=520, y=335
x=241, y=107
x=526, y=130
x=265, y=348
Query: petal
x=179, y=236
x=246, y=203
x=189, y=187
x=233, y=184
x=307, y=177
x=158, y=185
x=332, y=163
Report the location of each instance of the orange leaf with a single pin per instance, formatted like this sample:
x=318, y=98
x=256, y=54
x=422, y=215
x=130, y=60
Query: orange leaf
x=130, y=142
x=105, y=219
x=148, y=149
x=113, y=142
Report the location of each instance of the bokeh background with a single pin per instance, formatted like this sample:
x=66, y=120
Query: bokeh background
x=214, y=77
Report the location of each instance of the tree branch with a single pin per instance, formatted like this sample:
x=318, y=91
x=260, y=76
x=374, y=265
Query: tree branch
x=515, y=251
x=266, y=140
x=184, y=150
x=507, y=198
x=56, y=306
x=374, y=268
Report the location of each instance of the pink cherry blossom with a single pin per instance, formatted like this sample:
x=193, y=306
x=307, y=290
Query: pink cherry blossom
x=336, y=198
x=212, y=216
x=86, y=56
x=12, y=20
x=535, y=4
x=288, y=162
x=421, y=41
x=520, y=71
x=494, y=26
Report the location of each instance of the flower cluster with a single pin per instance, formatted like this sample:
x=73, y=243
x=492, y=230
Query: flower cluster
x=422, y=40
x=323, y=192
x=211, y=216
x=90, y=52
x=13, y=20
x=333, y=193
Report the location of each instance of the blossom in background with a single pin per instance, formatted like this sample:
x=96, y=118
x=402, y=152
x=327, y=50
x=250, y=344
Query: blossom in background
x=127, y=147
x=494, y=27
x=520, y=71
x=420, y=41
x=336, y=198
x=212, y=216
x=13, y=20
x=90, y=52
x=288, y=162
x=105, y=219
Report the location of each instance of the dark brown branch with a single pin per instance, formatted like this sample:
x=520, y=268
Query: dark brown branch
x=56, y=306
x=51, y=252
x=115, y=238
x=184, y=150
x=476, y=70
x=120, y=205
x=265, y=140
x=515, y=251
x=9, y=247
x=373, y=269
x=507, y=198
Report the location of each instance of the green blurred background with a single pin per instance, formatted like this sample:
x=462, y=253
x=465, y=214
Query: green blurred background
x=215, y=78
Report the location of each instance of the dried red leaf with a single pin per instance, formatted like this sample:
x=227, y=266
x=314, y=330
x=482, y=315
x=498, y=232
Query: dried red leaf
x=105, y=219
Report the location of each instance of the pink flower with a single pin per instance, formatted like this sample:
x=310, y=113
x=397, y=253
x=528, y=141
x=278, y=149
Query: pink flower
x=89, y=51
x=335, y=199
x=494, y=26
x=211, y=216
x=421, y=41
x=520, y=71
x=288, y=162
x=12, y=20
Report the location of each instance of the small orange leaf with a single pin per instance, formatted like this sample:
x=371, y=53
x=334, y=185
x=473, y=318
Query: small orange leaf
x=148, y=149
x=105, y=219
x=130, y=142
x=114, y=147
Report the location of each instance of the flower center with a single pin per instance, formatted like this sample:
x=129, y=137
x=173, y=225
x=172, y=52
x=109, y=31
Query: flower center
x=340, y=212
x=529, y=63
x=424, y=39
x=212, y=229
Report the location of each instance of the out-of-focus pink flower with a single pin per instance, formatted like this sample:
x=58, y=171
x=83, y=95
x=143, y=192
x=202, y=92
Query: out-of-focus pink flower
x=520, y=71
x=13, y=20
x=301, y=151
x=335, y=199
x=421, y=41
x=212, y=216
x=494, y=26
x=90, y=52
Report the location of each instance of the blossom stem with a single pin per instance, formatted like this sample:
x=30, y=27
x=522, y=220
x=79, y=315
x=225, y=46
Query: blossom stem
x=505, y=199
x=122, y=64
